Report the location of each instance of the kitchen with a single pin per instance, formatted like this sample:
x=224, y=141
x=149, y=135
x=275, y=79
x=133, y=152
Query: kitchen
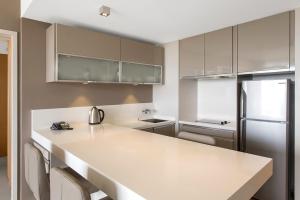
x=204, y=112
x=202, y=117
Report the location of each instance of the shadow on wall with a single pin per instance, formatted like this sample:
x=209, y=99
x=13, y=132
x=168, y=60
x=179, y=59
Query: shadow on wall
x=83, y=98
x=131, y=99
x=80, y=100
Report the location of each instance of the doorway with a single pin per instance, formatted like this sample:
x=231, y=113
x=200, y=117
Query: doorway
x=4, y=168
x=8, y=115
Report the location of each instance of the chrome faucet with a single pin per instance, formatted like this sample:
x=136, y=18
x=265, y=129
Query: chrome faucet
x=146, y=111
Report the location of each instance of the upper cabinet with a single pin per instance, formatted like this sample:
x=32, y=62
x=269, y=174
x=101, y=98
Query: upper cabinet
x=80, y=55
x=218, y=52
x=140, y=52
x=191, y=56
x=141, y=62
x=264, y=44
x=86, y=43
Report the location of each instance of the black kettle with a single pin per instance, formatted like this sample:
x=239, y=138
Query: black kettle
x=96, y=116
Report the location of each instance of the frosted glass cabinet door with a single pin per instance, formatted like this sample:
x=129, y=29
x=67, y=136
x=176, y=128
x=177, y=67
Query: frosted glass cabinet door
x=72, y=68
x=139, y=73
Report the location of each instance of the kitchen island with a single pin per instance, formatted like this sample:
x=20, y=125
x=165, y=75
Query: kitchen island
x=130, y=164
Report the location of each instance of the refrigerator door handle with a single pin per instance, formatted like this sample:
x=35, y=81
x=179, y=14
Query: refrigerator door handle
x=243, y=135
x=243, y=102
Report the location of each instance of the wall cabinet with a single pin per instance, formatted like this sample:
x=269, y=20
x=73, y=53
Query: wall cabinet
x=259, y=46
x=218, y=52
x=79, y=55
x=85, y=43
x=140, y=73
x=263, y=44
x=140, y=52
x=191, y=56
x=207, y=54
x=73, y=68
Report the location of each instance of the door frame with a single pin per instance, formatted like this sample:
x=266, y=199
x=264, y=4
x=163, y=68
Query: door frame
x=12, y=37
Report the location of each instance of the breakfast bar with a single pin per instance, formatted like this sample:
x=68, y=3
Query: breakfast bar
x=132, y=164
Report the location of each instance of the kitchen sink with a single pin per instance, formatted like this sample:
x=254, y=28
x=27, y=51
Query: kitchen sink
x=154, y=120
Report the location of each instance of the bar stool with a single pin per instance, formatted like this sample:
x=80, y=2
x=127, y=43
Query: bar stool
x=35, y=173
x=64, y=184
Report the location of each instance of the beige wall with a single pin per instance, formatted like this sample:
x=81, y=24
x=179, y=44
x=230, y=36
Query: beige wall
x=36, y=94
x=10, y=15
x=297, y=105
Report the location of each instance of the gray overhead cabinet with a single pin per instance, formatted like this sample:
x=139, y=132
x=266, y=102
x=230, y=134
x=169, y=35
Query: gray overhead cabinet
x=218, y=52
x=206, y=55
x=264, y=44
x=141, y=62
x=191, y=57
x=80, y=55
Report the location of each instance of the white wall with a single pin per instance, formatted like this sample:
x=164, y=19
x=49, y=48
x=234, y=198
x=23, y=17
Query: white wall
x=165, y=97
x=297, y=105
x=217, y=99
x=24, y=6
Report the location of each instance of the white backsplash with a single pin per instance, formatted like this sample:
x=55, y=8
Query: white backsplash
x=43, y=118
x=217, y=99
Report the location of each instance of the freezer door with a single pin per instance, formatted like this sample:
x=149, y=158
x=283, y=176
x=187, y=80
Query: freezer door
x=270, y=140
x=265, y=100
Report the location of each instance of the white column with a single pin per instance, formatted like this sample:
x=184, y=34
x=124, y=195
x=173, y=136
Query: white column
x=165, y=97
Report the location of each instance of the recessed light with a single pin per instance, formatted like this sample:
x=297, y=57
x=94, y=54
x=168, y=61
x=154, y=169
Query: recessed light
x=104, y=11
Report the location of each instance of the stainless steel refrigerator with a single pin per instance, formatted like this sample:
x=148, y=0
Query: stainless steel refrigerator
x=266, y=130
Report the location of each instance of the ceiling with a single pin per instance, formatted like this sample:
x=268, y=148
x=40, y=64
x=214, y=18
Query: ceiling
x=159, y=21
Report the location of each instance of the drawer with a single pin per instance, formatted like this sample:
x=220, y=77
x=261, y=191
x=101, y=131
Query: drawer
x=210, y=140
x=208, y=131
x=225, y=143
x=46, y=153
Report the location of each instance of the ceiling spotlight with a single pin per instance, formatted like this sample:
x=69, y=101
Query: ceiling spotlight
x=105, y=11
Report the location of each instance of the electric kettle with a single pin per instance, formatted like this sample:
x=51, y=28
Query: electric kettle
x=96, y=116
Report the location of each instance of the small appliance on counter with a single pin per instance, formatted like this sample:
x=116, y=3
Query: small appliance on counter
x=96, y=116
x=61, y=126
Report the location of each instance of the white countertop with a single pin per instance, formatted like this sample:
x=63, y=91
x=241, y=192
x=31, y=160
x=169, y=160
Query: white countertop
x=131, y=164
x=230, y=126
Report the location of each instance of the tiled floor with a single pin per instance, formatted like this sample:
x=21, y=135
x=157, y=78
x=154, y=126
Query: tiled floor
x=4, y=187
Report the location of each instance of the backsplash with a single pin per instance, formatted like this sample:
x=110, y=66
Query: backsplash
x=43, y=118
x=217, y=99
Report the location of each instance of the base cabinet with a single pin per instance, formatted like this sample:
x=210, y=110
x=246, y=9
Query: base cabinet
x=222, y=138
x=167, y=130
